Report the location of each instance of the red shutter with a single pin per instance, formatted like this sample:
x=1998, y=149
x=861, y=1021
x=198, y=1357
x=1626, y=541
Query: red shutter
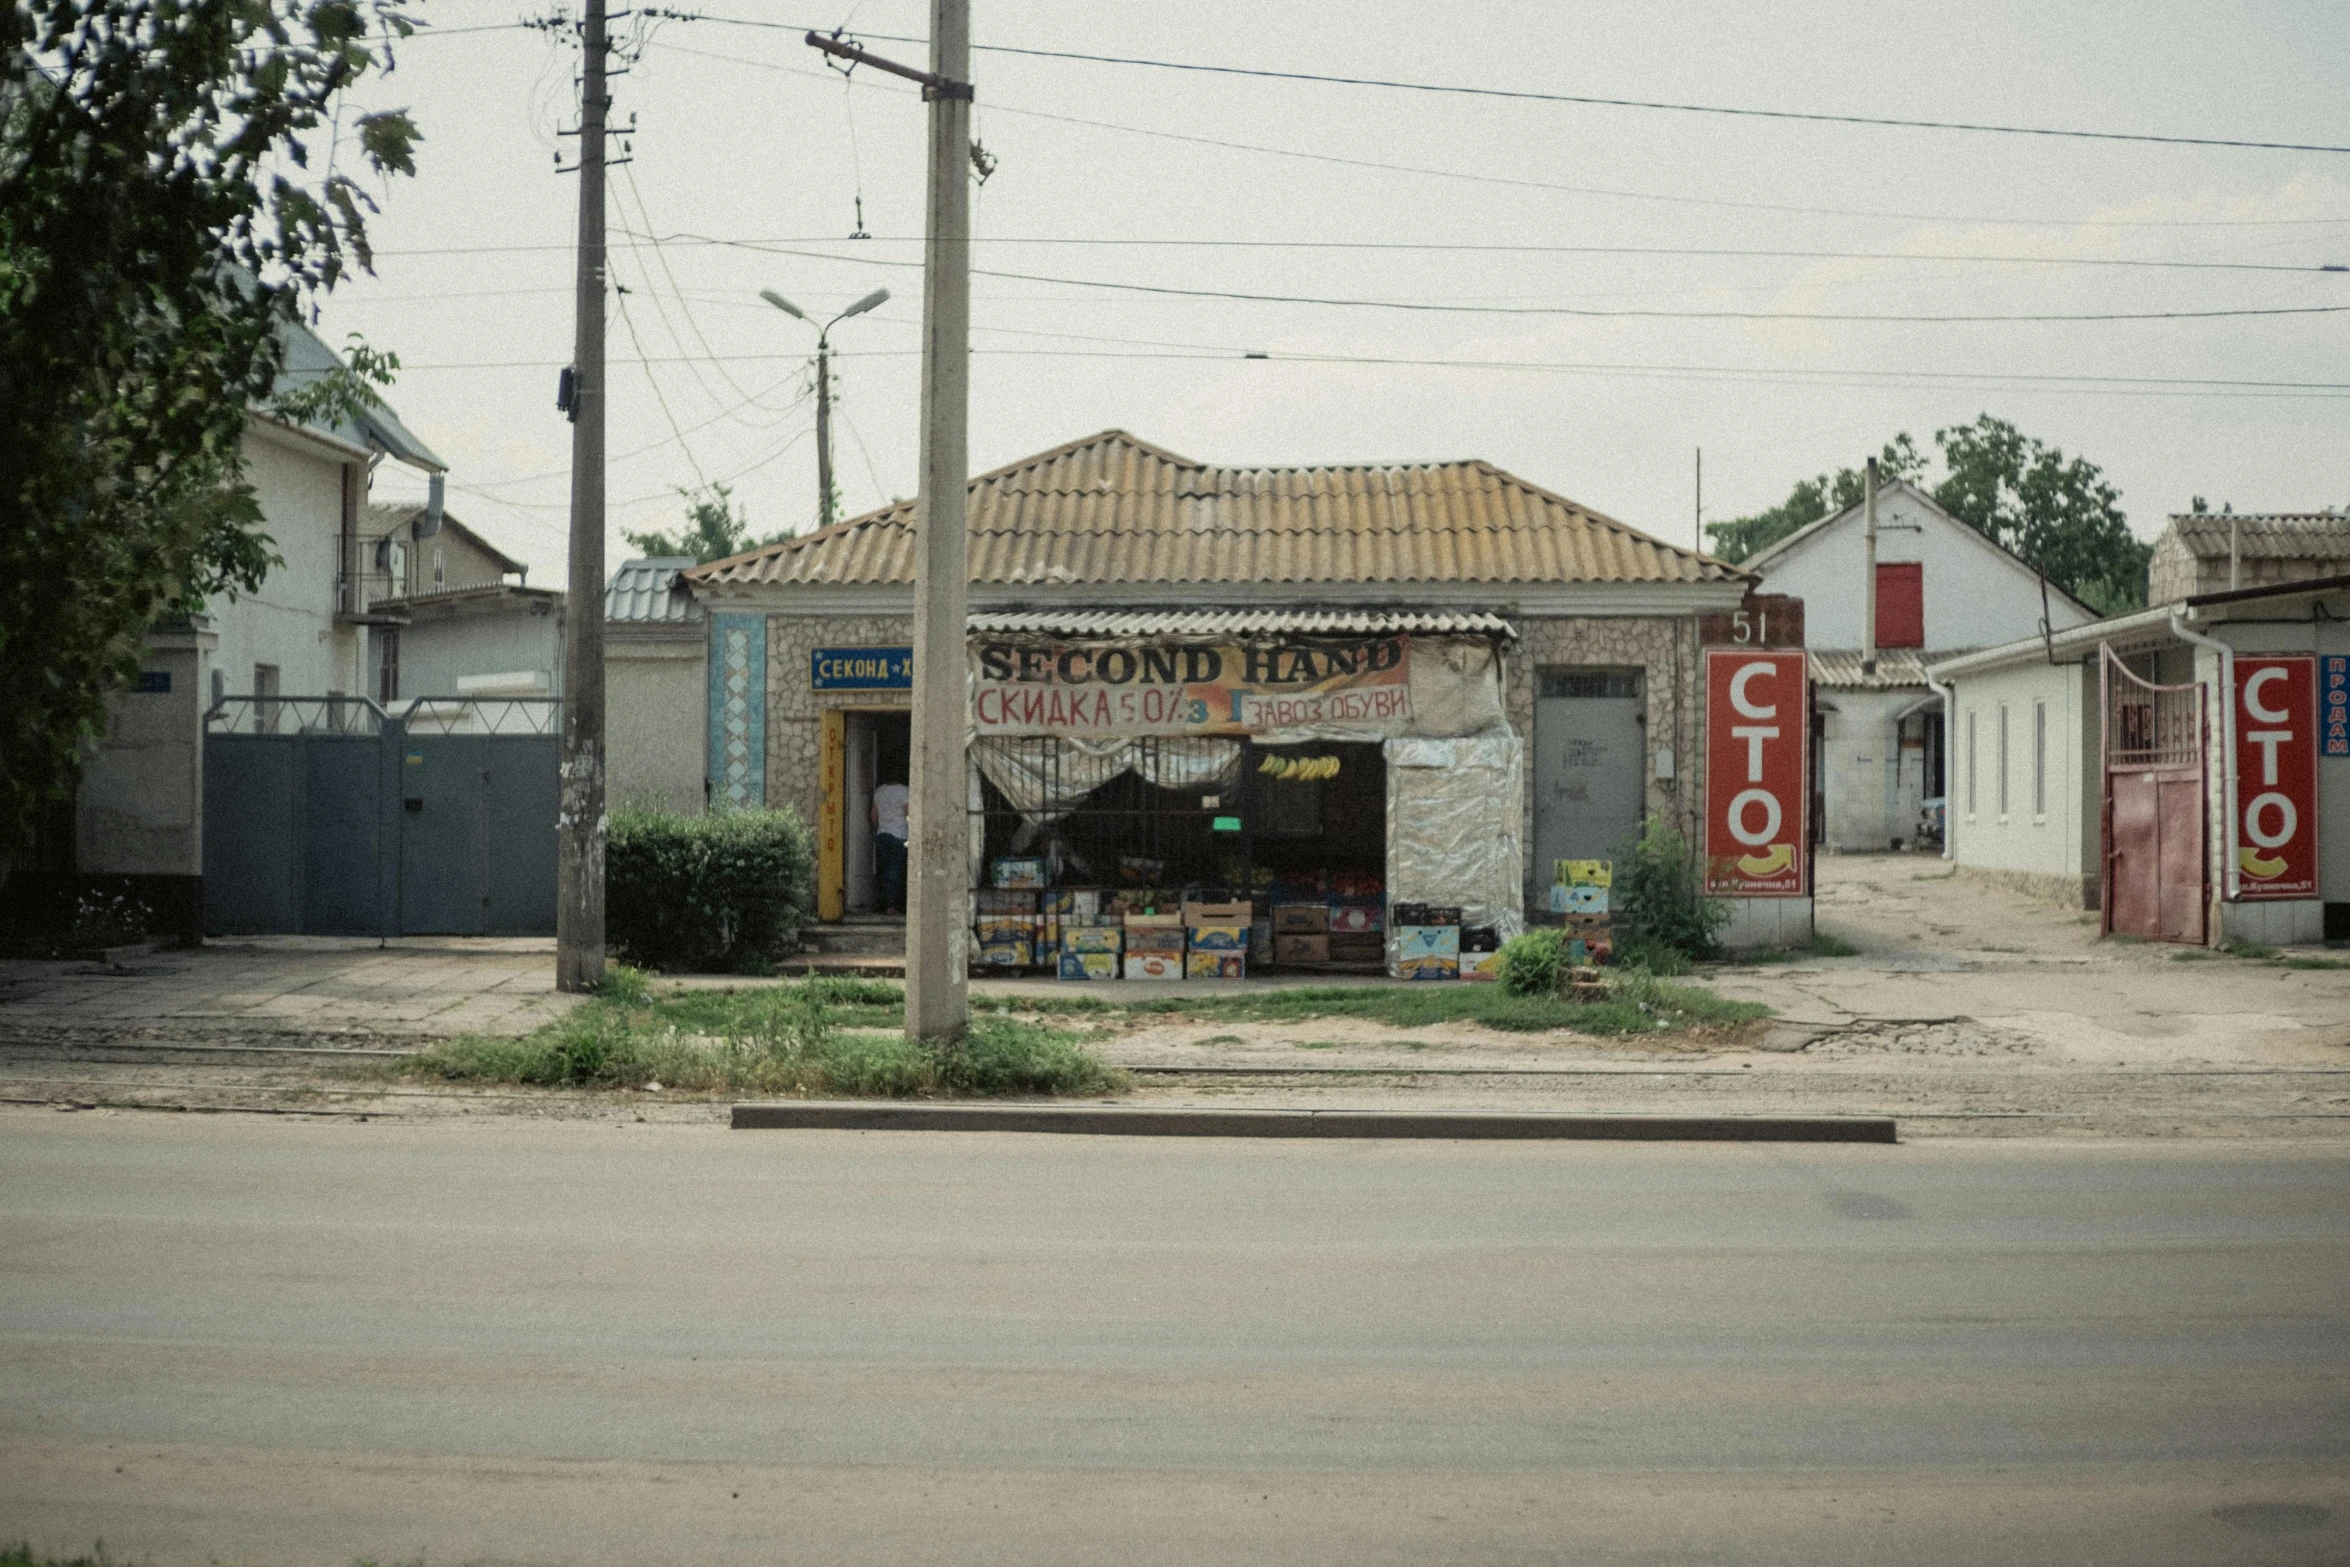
x=1901, y=605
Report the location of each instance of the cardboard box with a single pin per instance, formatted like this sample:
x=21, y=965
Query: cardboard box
x=1301, y=919
x=1219, y=938
x=1428, y=968
x=1260, y=941
x=1216, y=913
x=1146, y=940
x=1154, y=965
x=1480, y=965
x=1294, y=951
x=1586, y=899
x=1005, y=928
x=1215, y=965
x=1356, y=922
x=1358, y=949
x=1089, y=965
x=1428, y=941
x=1091, y=938
x=1003, y=954
x=1153, y=921
x=1017, y=873
x=1003, y=900
x=1584, y=873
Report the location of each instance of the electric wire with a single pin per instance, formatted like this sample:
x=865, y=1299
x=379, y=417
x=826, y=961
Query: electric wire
x=659, y=396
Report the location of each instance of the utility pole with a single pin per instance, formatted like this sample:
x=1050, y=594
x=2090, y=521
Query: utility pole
x=579, y=849
x=1701, y=500
x=826, y=505
x=1868, y=569
x=938, y=870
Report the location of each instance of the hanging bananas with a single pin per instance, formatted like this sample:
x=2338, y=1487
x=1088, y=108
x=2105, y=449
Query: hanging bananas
x=1299, y=769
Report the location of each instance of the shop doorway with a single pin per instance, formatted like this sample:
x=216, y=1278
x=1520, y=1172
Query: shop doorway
x=876, y=748
x=2156, y=818
x=1590, y=753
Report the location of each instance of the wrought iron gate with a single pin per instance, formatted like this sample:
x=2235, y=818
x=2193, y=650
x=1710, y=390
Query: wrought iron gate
x=2156, y=814
x=328, y=816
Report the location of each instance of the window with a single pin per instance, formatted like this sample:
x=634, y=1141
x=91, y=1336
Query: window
x=387, y=674
x=1901, y=604
x=1970, y=761
x=2039, y=760
x=1593, y=683
x=2003, y=761
x=440, y=568
x=265, y=705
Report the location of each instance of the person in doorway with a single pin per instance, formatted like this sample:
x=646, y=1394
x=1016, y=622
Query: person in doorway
x=889, y=845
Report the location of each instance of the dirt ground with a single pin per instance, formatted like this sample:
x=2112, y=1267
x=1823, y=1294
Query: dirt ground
x=1966, y=1009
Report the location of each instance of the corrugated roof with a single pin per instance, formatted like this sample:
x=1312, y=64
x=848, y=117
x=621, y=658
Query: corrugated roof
x=307, y=359
x=646, y=591
x=1840, y=667
x=1114, y=509
x=2309, y=535
x=1238, y=622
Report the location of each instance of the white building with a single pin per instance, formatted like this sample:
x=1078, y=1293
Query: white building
x=1880, y=746
x=656, y=688
x=138, y=814
x=2049, y=737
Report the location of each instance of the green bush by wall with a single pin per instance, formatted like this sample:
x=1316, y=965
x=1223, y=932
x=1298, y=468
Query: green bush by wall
x=724, y=892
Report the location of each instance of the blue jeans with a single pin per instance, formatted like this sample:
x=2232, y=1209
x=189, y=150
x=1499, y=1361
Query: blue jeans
x=889, y=868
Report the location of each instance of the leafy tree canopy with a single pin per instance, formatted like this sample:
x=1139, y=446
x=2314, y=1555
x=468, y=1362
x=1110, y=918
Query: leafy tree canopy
x=164, y=214
x=2058, y=515
x=714, y=528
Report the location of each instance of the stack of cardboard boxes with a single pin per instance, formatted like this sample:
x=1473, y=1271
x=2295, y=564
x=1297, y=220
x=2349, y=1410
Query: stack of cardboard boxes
x=1216, y=937
x=1154, y=945
x=1005, y=922
x=1427, y=941
x=1579, y=895
x=1329, y=921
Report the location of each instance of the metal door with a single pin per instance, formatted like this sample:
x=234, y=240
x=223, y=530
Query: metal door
x=2154, y=816
x=1590, y=763
x=477, y=834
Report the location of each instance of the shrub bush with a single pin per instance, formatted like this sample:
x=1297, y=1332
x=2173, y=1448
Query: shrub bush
x=1661, y=910
x=720, y=893
x=1535, y=963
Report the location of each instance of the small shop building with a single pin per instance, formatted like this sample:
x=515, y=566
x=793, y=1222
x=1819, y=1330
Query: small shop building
x=1409, y=683
x=2184, y=769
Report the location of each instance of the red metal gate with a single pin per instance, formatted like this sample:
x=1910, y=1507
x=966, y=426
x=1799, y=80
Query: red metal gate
x=2156, y=812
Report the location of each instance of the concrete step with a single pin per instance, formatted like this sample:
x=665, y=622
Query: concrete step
x=856, y=936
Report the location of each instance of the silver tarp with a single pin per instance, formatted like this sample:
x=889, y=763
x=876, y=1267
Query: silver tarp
x=1453, y=814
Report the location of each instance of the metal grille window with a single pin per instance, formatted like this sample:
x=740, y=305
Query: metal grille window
x=2003, y=761
x=2039, y=759
x=387, y=685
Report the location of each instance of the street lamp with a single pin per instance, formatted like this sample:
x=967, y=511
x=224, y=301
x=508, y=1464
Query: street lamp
x=824, y=387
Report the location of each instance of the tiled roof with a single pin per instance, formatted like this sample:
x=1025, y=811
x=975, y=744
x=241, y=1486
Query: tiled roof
x=1237, y=622
x=1896, y=666
x=2311, y=535
x=646, y=591
x=1114, y=509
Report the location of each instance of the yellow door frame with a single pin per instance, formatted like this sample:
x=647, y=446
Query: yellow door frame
x=832, y=823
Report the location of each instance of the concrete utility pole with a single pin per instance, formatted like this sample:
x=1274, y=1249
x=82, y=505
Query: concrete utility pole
x=826, y=505
x=579, y=849
x=1868, y=570
x=938, y=857
x=939, y=890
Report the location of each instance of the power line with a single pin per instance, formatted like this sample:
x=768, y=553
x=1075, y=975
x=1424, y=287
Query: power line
x=1614, y=192
x=1586, y=100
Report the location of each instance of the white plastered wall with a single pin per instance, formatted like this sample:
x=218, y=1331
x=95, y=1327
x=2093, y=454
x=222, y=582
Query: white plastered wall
x=656, y=707
x=2050, y=826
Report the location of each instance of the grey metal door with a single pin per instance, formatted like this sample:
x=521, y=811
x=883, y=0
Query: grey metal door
x=477, y=834
x=1590, y=764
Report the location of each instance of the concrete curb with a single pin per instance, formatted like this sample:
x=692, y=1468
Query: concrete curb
x=1121, y=1121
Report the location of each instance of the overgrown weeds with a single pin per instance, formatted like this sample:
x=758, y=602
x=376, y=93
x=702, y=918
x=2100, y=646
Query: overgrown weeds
x=1635, y=1002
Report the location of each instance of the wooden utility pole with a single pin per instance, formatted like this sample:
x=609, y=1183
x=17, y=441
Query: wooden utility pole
x=939, y=869
x=579, y=850
x=823, y=430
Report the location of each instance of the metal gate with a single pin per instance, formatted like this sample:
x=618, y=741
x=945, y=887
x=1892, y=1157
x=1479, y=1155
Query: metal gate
x=2156, y=813
x=327, y=816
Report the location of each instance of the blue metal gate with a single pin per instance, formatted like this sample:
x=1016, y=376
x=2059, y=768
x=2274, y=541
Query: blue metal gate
x=328, y=816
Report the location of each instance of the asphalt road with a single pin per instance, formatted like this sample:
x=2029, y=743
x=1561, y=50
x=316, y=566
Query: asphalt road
x=246, y=1341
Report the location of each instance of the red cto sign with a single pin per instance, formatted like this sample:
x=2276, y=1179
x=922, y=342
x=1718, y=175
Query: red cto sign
x=1757, y=734
x=2276, y=777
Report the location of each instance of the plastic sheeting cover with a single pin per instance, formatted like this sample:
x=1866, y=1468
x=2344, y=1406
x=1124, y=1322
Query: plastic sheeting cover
x=1453, y=814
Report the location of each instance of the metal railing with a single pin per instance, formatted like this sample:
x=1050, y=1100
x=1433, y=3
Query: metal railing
x=2149, y=725
x=359, y=715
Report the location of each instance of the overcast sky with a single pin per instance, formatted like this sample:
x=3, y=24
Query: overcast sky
x=744, y=137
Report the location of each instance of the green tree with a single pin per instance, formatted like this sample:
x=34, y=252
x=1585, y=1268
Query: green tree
x=714, y=528
x=160, y=222
x=2058, y=515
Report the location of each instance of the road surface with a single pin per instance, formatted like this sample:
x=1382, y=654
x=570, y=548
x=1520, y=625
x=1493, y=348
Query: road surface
x=256, y=1341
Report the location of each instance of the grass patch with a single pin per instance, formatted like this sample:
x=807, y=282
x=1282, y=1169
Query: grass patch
x=1219, y=1039
x=1636, y=1003
x=1821, y=945
x=817, y=1038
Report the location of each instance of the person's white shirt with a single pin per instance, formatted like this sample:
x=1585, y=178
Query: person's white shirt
x=889, y=810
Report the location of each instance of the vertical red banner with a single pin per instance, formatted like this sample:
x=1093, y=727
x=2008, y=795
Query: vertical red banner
x=1757, y=746
x=2275, y=837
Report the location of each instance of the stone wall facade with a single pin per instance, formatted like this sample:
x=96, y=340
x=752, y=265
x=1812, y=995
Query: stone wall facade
x=794, y=708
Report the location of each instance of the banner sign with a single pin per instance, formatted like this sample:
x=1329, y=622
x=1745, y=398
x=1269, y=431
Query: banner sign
x=1757, y=740
x=861, y=669
x=1171, y=688
x=2276, y=776
x=2333, y=697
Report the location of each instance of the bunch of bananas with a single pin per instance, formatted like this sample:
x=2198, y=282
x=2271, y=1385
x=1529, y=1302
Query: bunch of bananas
x=1299, y=769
